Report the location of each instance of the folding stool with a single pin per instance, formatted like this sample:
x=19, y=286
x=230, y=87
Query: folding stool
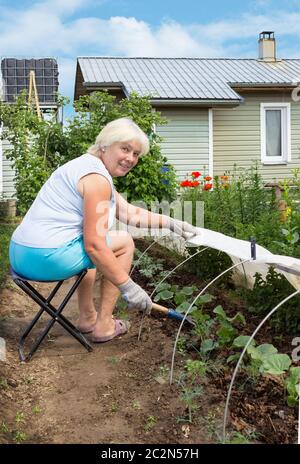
x=46, y=306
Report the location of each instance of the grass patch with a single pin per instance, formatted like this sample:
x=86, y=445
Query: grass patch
x=6, y=231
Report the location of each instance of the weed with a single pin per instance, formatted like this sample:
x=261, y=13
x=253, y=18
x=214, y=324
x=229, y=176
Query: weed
x=182, y=345
x=3, y=428
x=238, y=438
x=150, y=422
x=196, y=369
x=188, y=396
x=113, y=359
x=20, y=418
x=211, y=422
x=20, y=436
x=3, y=384
x=164, y=370
x=36, y=409
x=114, y=407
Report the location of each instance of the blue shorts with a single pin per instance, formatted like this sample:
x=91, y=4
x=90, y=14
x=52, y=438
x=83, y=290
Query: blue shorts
x=50, y=263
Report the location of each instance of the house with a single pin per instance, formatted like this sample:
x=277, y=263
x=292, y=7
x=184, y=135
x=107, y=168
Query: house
x=221, y=112
x=14, y=79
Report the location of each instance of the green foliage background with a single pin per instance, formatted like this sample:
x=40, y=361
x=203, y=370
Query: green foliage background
x=39, y=147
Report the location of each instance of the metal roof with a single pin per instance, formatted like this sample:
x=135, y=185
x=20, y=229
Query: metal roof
x=187, y=78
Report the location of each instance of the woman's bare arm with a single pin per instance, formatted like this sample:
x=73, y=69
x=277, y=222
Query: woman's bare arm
x=138, y=217
x=96, y=201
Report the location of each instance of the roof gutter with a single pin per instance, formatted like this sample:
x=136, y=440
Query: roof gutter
x=196, y=102
x=263, y=85
x=107, y=86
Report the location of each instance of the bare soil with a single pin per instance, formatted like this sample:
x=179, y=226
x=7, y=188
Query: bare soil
x=120, y=392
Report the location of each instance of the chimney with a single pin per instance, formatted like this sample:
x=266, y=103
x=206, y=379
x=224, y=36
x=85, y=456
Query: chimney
x=267, y=46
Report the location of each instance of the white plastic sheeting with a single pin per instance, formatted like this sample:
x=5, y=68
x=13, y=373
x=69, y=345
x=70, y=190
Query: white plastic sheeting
x=240, y=250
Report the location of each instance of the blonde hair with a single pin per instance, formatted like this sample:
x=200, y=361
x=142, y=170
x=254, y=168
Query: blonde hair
x=120, y=130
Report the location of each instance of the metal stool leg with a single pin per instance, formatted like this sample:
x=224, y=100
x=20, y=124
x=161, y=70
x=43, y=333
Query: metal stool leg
x=55, y=313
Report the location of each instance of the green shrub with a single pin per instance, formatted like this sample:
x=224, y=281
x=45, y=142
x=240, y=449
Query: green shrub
x=239, y=207
x=266, y=294
x=39, y=147
x=146, y=182
x=209, y=264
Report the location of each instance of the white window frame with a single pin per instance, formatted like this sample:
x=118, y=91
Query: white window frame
x=285, y=109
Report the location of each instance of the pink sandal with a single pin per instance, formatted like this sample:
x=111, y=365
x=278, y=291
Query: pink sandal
x=121, y=328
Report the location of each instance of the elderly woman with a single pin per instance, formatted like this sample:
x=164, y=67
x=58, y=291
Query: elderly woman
x=66, y=229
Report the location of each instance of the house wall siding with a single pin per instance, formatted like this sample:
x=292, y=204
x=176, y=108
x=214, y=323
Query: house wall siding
x=186, y=139
x=8, y=174
x=236, y=136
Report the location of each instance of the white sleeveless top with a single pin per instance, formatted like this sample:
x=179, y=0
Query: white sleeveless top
x=56, y=215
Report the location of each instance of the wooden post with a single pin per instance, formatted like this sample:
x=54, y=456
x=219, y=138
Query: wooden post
x=32, y=94
x=282, y=206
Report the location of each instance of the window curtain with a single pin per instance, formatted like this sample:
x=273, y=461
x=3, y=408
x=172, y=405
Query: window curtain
x=273, y=133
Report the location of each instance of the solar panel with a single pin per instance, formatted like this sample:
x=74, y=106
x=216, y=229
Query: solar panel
x=15, y=74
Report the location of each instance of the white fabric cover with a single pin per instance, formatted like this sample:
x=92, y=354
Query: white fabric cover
x=240, y=250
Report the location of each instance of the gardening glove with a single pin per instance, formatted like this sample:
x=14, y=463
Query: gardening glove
x=135, y=296
x=182, y=228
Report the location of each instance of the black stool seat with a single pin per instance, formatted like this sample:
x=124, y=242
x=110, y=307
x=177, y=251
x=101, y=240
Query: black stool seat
x=46, y=306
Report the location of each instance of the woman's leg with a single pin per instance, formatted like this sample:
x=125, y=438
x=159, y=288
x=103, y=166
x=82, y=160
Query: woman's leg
x=123, y=247
x=87, y=311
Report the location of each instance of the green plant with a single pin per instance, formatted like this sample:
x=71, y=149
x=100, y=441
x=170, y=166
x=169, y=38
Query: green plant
x=37, y=409
x=209, y=264
x=182, y=345
x=211, y=422
x=150, y=268
x=35, y=147
x=113, y=359
x=114, y=407
x=226, y=331
x=19, y=436
x=38, y=147
x=3, y=384
x=20, y=418
x=267, y=293
x=3, y=427
x=188, y=396
x=292, y=385
x=196, y=369
x=150, y=422
x=264, y=358
x=93, y=112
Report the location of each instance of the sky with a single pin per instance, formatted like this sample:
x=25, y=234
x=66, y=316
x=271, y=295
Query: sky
x=66, y=29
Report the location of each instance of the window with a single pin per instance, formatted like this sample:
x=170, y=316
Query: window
x=275, y=133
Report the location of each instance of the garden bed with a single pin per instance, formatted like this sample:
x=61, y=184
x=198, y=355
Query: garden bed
x=120, y=392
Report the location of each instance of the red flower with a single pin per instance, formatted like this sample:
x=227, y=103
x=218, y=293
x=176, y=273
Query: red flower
x=183, y=183
x=195, y=183
x=186, y=183
x=196, y=174
x=208, y=178
x=207, y=187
